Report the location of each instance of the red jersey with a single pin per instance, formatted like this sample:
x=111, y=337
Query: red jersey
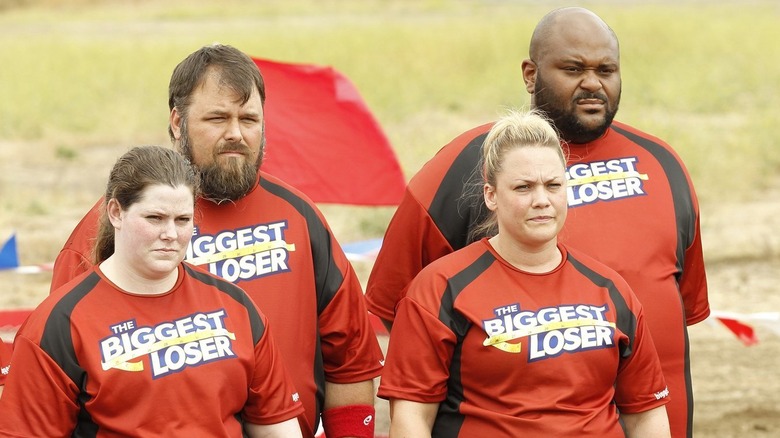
x=510, y=353
x=94, y=360
x=632, y=206
x=5, y=361
x=275, y=244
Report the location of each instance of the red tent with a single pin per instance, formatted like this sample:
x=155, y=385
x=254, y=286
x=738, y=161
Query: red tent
x=323, y=140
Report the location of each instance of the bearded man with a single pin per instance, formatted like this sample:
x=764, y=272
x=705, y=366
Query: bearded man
x=268, y=238
x=631, y=201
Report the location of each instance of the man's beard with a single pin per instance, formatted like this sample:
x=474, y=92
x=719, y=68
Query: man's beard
x=565, y=118
x=224, y=179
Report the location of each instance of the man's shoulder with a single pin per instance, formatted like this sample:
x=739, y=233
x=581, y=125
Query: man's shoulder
x=657, y=147
x=473, y=137
x=637, y=135
x=83, y=235
x=458, y=157
x=272, y=185
x=282, y=198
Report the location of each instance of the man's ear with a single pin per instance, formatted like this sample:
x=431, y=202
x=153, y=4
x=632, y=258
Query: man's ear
x=175, y=121
x=489, y=193
x=529, y=75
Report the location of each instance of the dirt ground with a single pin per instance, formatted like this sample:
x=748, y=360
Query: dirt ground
x=736, y=387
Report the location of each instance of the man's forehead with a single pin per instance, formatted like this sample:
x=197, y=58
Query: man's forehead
x=597, y=50
x=216, y=95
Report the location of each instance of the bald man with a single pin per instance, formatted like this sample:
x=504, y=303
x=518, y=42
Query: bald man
x=631, y=201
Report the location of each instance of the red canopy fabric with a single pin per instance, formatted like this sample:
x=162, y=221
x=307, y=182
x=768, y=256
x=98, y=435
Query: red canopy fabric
x=323, y=140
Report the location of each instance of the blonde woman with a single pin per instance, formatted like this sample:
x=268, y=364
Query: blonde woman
x=517, y=334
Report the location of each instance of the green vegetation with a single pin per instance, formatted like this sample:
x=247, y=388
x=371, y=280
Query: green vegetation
x=706, y=78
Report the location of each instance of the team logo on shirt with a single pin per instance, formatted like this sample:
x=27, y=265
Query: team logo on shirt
x=171, y=346
x=244, y=253
x=596, y=181
x=550, y=331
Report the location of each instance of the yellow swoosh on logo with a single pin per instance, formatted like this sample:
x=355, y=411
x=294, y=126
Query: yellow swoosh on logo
x=247, y=250
x=500, y=341
x=122, y=362
x=607, y=177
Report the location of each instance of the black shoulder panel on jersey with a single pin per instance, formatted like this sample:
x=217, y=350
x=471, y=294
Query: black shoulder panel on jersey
x=57, y=342
x=455, y=285
x=457, y=205
x=327, y=276
x=449, y=420
x=626, y=320
x=681, y=193
x=236, y=293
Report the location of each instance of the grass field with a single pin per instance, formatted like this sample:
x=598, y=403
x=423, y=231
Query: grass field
x=704, y=77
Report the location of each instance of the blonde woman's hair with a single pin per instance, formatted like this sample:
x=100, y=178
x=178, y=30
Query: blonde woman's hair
x=514, y=130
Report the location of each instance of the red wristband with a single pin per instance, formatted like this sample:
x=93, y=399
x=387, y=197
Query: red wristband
x=349, y=421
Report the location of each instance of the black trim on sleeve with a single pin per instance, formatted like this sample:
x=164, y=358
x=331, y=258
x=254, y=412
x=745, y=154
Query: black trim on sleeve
x=682, y=199
x=57, y=342
x=457, y=206
x=449, y=420
x=625, y=318
x=327, y=276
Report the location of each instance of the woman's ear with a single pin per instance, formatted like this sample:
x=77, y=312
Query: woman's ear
x=489, y=193
x=114, y=213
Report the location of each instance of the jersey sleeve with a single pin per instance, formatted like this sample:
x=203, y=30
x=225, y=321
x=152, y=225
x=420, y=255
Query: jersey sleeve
x=350, y=349
x=67, y=266
x=693, y=279
x=418, y=356
x=272, y=397
x=440, y=206
x=75, y=256
x=5, y=361
x=640, y=384
x=39, y=399
x=411, y=242
x=693, y=282
x=420, y=350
